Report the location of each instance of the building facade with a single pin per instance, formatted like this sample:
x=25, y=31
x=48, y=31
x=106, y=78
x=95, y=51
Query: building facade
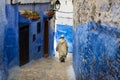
x=96, y=52
x=23, y=39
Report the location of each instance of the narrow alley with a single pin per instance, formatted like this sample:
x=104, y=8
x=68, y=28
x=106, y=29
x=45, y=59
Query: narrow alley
x=44, y=69
x=34, y=32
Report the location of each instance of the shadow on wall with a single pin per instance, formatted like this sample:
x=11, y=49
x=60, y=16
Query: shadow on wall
x=68, y=33
x=96, y=52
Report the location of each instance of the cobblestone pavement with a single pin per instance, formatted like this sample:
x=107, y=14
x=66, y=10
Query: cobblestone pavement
x=44, y=69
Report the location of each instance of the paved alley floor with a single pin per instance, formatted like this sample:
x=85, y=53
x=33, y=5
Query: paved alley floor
x=44, y=69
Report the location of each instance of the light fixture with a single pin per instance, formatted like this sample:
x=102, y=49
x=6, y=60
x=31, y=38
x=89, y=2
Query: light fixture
x=12, y=2
x=55, y=5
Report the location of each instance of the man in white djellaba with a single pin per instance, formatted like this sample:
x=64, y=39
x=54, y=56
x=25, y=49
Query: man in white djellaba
x=62, y=48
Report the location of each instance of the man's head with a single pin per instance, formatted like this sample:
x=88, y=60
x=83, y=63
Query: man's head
x=62, y=36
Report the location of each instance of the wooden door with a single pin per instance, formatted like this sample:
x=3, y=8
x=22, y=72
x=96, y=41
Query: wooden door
x=24, y=44
x=46, y=37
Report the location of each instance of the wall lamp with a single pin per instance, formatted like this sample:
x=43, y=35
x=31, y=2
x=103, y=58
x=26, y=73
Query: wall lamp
x=55, y=5
x=13, y=2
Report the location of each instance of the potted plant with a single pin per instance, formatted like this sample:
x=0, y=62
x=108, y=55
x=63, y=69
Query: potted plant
x=32, y=15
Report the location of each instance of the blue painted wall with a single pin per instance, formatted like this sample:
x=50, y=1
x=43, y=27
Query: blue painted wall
x=68, y=33
x=3, y=22
x=96, y=52
x=33, y=45
x=2, y=63
x=9, y=33
x=11, y=36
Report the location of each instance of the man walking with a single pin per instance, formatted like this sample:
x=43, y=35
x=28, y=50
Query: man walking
x=62, y=48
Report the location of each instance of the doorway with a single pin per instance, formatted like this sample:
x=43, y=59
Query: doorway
x=24, y=44
x=46, y=37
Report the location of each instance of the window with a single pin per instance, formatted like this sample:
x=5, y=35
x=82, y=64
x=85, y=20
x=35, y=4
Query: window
x=38, y=27
x=34, y=37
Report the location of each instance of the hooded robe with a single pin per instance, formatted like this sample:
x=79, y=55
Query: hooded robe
x=62, y=48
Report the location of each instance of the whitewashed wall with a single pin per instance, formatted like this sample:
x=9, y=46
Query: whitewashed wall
x=9, y=1
x=65, y=14
x=106, y=12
